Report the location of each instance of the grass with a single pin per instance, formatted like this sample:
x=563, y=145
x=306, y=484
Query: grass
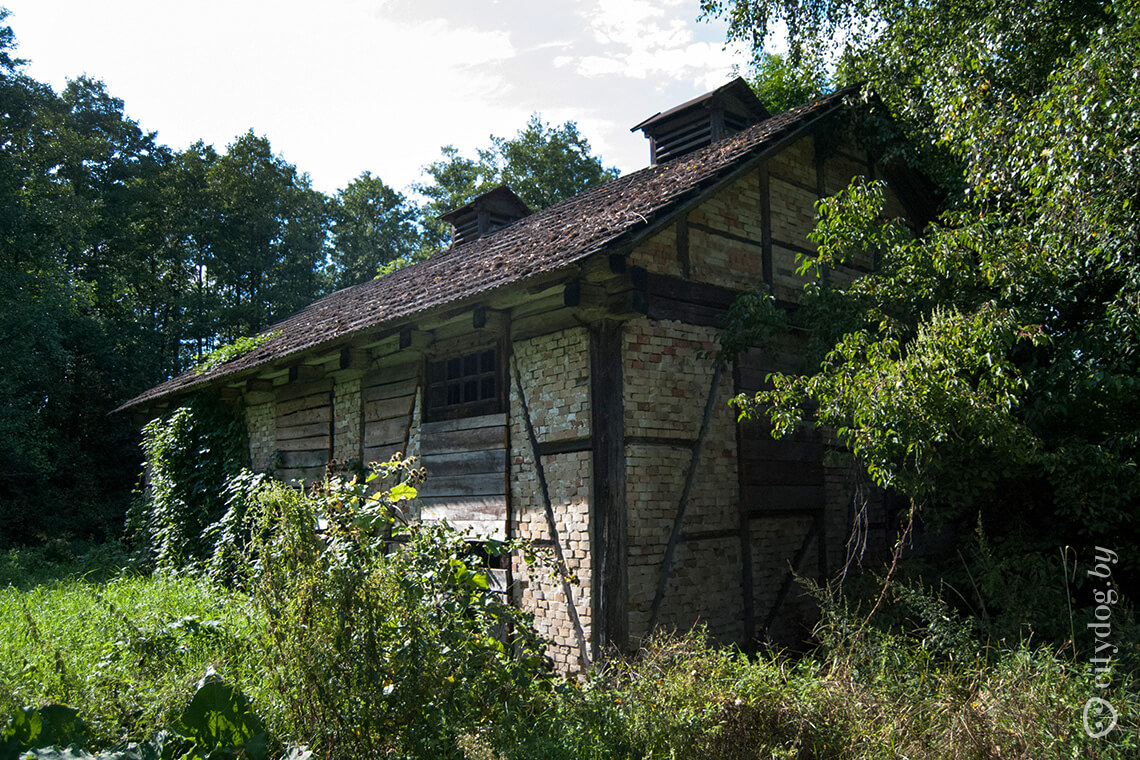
x=127, y=649
x=680, y=698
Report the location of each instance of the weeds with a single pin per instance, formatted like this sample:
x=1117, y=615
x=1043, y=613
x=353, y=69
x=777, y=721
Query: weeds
x=378, y=638
x=126, y=651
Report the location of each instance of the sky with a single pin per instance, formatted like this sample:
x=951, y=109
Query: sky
x=345, y=86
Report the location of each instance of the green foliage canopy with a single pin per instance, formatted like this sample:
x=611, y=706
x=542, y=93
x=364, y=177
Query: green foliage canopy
x=373, y=225
x=992, y=364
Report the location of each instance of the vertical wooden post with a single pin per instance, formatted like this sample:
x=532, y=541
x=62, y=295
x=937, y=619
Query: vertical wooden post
x=683, y=245
x=608, y=528
x=748, y=604
x=765, y=224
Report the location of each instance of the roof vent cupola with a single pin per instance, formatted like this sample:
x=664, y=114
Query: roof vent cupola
x=491, y=211
x=702, y=121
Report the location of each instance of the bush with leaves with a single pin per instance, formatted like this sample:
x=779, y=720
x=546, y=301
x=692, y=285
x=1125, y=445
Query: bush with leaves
x=385, y=637
x=990, y=367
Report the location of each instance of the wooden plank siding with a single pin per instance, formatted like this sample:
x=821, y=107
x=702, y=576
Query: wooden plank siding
x=466, y=464
x=388, y=398
x=304, y=430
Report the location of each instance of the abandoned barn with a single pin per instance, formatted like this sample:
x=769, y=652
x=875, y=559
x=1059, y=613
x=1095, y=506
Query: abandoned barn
x=555, y=374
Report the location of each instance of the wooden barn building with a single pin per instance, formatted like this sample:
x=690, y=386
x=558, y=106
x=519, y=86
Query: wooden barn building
x=553, y=372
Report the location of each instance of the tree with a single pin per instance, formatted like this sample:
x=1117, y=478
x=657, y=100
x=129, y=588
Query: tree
x=121, y=262
x=372, y=225
x=542, y=165
x=266, y=239
x=68, y=168
x=989, y=370
x=781, y=83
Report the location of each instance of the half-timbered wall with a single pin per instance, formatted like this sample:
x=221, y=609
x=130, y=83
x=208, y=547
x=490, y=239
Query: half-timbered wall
x=714, y=544
x=554, y=372
x=783, y=502
x=750, y=232
x=668, y=380
x=616, y=450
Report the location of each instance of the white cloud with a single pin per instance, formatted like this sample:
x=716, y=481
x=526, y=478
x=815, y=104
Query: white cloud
x=353, y=85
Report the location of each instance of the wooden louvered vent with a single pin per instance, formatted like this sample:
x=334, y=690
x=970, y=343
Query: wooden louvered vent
x=468, y=229
x=702, y=121
x=491, y=211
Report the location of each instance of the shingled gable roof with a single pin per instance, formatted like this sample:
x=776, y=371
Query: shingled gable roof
x=546, y=242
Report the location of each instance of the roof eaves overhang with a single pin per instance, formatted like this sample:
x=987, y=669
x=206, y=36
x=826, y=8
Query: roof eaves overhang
x=382, y=329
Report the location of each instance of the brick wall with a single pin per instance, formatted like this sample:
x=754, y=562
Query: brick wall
x=554, y=370
x=732, y=260
x=347, y=421
x=658, y=254
x=667, y=376
x=260, y=424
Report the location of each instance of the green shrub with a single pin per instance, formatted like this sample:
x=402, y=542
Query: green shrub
x=384, y=638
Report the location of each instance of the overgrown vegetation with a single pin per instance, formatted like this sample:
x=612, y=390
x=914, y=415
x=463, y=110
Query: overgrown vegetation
x=987, y=369
x=387, y=636
x=129, y=656
x=375, y=637
x=125, y=653
x=236, y=349
x=189, y=485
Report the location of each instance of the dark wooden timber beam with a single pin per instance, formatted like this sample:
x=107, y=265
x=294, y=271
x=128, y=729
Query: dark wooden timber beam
x=353, y=358
x=608, y=514
x=765, y=224
x=683, y=245
x=416, y=340
x=747, y=592
x=589, y=300
x=305, y=373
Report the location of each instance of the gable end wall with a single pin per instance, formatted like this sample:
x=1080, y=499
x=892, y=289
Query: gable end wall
x=729, y=567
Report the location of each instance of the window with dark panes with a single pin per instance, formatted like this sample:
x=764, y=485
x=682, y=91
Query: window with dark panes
x=464, y=386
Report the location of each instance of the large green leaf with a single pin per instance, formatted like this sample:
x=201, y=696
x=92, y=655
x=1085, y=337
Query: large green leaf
x=39, y=727
x=220, y=717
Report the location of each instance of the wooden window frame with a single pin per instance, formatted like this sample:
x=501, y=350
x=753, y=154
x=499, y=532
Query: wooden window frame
x=461, y=385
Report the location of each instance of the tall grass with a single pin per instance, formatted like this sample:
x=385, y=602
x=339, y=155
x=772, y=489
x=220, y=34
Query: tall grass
x=681, y=698
x=126, y=651
x=345, y=647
